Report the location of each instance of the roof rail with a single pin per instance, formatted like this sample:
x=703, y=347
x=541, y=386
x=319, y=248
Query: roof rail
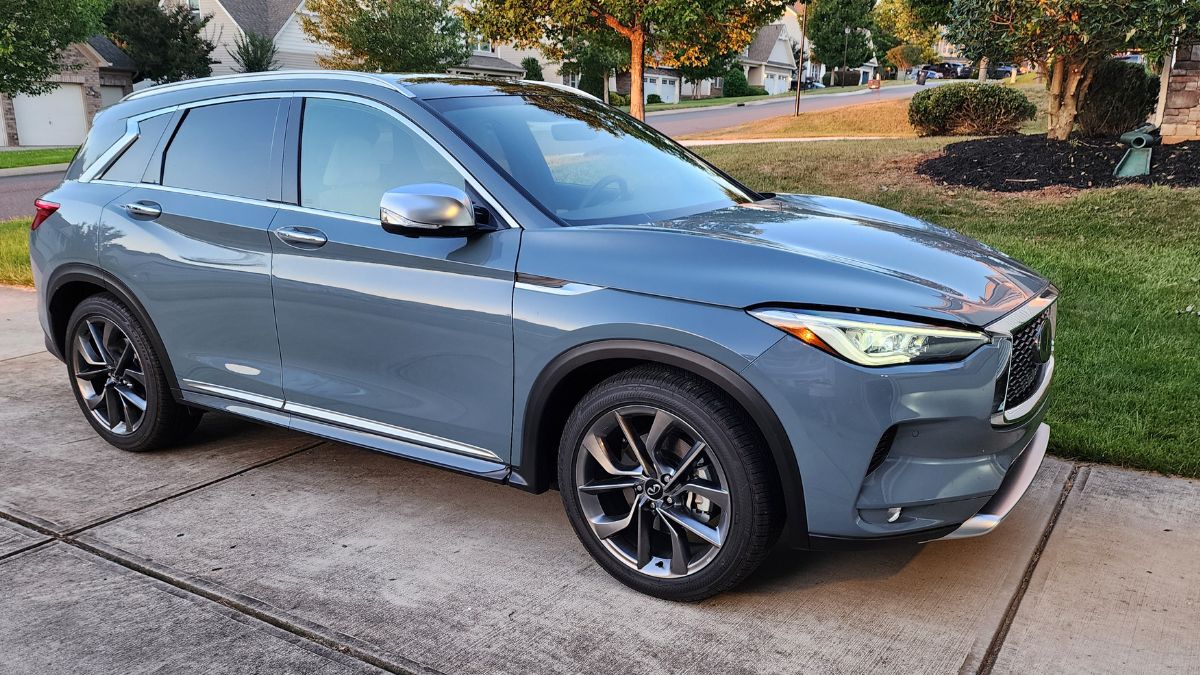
x=266, y=77
x=561, y=87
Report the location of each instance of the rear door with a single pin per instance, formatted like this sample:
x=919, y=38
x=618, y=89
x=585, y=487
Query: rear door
x=190, y=239
x=404, y=337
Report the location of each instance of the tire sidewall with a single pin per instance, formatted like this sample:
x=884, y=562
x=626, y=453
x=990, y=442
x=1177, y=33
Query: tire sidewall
x=716, y=574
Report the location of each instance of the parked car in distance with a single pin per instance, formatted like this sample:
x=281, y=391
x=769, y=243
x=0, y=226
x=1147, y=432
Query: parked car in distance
x=519, y=283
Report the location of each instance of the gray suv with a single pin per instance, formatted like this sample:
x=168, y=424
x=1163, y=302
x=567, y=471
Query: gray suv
x=517, y=282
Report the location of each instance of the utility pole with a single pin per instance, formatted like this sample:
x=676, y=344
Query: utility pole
x=845, y=49
x=803, y=52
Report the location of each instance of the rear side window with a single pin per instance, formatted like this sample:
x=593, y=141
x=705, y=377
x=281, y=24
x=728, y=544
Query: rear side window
x=131, y=165
x=224, y=149
x=106, y=130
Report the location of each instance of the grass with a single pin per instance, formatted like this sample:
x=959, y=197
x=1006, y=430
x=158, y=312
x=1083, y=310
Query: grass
x=1127, y=390
x=887, y=118
x=14, y=253
x=15, y=158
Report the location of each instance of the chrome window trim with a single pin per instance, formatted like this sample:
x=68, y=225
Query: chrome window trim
x=561, y=87
x=340, y=75
x=401, y=433
x=1012, y=322
x=131, y=128
x=132, y=131
x=229, y=392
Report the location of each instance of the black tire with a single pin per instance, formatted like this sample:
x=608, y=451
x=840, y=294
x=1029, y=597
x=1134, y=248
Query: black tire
x=736, y=447
x=163, y=422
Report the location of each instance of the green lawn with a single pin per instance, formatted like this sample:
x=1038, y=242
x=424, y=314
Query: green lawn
x=730, y=100
x=1127, y=389
x=15, y=158
x=14, y=252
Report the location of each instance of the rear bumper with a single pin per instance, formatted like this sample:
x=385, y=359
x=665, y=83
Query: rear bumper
x=1016, y=484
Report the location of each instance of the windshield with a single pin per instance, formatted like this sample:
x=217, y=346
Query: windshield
x=587, y=163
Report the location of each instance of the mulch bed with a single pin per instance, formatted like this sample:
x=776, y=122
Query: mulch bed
x=1026, y=163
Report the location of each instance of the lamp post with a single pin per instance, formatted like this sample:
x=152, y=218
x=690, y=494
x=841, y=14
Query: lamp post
x=845, y=50
x=800, y=66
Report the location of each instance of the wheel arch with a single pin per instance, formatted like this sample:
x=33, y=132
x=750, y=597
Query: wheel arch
x=72, y=284
x=567, y=377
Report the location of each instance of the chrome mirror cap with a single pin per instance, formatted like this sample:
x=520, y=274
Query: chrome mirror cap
x=429, y=208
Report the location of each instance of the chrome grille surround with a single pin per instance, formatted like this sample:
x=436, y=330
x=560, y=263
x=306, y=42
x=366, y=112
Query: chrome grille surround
x=1028, y=380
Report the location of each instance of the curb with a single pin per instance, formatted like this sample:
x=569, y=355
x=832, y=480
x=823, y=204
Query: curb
x=803, y=139
x=33, y=170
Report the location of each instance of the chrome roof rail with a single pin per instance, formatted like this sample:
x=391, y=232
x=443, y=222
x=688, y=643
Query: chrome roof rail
x=268, y=77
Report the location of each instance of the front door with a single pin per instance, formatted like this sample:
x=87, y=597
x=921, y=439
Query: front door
x=404, y=337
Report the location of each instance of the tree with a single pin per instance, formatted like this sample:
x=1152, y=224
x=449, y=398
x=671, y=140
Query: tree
x=167, y=46
x=592, y=55
x=831, y=44
x=716, y=66
x=1069, y=39
x=905, y=57
x=35, y=34
x=898, y=18
x=533, y=69
x=394, y=36
x=668, y=32
x=253, y=53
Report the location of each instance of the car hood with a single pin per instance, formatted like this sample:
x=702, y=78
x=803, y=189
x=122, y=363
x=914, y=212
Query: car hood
x=793, y=250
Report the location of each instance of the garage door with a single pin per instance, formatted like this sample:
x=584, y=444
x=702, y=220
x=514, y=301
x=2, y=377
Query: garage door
x=110, y=95
x=56, y=118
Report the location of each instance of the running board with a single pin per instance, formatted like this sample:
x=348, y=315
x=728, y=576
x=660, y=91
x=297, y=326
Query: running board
x=471, y=466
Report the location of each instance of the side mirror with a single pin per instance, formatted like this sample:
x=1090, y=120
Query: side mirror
x=429, y=209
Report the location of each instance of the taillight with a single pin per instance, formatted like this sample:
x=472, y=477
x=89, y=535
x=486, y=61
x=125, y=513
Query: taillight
x=45, y=209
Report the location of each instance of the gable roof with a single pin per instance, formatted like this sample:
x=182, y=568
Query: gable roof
x=264, y=17
x=760, y=49
x=108, y=51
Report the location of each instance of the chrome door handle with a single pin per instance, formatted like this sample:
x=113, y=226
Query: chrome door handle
x=143, y=209
x=302, y=237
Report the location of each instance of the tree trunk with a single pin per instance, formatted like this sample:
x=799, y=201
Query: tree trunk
x=1069, y=82
x=637, y=69
x=983, y=68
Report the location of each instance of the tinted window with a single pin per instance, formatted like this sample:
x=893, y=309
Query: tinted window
x=350, y=154
x=588, y=163
x=131, y=165
x=224, y=148
x=107, y=129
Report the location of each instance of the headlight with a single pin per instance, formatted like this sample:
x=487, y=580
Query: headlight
x=881, y=342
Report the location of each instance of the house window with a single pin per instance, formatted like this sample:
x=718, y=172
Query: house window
x=571, y=80
x=194, y=6
x=479, y=46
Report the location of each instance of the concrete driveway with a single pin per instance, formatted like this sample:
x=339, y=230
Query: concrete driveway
x=255, y=549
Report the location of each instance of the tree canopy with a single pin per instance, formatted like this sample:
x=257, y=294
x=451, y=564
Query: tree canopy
x=396, y=36
x=827, y=32
x=167, y=45
x=33, y=35
x=668, y=32
x=1069, y=39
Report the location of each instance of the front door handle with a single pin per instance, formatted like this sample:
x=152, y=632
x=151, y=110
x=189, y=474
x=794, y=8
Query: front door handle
x=143, y=209
x=302, y=237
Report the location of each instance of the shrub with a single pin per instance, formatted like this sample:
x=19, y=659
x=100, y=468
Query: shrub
x=653, y=98
x=533, y=69
x=970, y=109
x=593, y=83
x=736, y=84
x=841, y=78
x=826, y=79
x=758, y=91
x=617, y=99
x=1120, y=99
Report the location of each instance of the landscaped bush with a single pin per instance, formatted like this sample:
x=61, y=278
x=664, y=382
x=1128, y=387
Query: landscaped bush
x=841, y=78
x=1120, y=99
x=653, y=98
x=758, y=91
x=617, y=99
x=736, y=84
x=970, y=109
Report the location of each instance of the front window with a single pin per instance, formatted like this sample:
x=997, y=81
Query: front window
x=587, y=163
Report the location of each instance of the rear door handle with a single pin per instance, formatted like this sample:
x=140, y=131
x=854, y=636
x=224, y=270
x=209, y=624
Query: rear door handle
x=143, y=209
x=301, y=237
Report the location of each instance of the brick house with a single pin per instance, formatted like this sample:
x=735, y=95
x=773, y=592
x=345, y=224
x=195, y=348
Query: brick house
x=98, y=74
x=1181, y=111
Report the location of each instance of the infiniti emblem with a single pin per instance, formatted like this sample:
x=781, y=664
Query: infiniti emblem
x=1045, y=342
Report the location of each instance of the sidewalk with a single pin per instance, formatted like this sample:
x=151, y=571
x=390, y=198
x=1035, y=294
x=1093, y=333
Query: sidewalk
x=255, y=549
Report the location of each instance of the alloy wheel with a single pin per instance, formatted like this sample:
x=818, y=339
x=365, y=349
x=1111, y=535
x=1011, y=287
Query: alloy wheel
x=652, y=491
x=109, y=375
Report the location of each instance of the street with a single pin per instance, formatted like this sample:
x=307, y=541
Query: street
x=677, y=123
x=257, y=549
x=18, y=192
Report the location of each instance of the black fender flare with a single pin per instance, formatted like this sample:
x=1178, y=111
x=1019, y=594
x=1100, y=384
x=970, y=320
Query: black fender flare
x=81, y=272
x=530, y=474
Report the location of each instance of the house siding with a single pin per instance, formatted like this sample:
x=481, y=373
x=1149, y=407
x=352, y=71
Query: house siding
x=224, y=32
x=296, y=50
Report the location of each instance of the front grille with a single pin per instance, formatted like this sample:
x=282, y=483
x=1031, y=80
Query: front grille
x=1024, y=370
